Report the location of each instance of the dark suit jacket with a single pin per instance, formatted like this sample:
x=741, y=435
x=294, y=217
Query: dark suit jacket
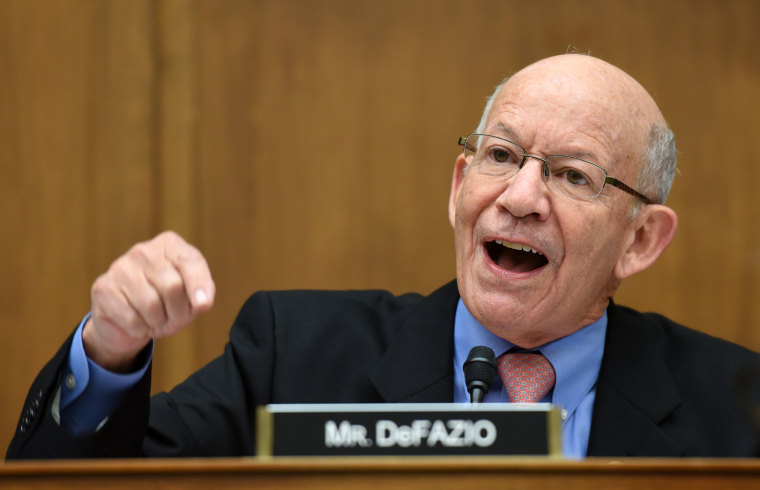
x=663, y=390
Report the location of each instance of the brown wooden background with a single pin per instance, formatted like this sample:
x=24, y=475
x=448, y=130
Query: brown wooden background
x=310, y=144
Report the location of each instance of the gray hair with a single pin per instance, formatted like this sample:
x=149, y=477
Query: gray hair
x=658, y=165
x=489, y=104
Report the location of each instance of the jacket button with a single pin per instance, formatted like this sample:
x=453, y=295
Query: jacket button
x=71, y=381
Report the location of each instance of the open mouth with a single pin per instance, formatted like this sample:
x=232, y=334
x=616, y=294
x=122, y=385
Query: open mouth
x=514, y=257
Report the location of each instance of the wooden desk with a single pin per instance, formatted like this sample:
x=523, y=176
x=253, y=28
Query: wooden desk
x=407, y=473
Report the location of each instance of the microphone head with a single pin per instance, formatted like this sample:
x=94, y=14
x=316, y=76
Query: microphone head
x=479, y=368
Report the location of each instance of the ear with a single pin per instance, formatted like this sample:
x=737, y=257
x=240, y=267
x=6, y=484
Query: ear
x=650, y=233
x=457, y=179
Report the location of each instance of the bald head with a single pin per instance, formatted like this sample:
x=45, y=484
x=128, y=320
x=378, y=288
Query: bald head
x=593, y=81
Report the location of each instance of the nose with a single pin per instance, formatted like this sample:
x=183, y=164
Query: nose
x=526, y=192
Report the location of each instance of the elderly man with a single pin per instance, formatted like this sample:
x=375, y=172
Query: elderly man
x=555, y=199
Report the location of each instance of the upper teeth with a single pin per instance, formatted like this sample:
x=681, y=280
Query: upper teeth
x=516, y=246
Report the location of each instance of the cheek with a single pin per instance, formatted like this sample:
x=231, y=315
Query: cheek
x=463, y=228
x=588, y=240
x=469, y=207
x=473, y=202
x=473, y=199
x=466, y=212
x=596, y=250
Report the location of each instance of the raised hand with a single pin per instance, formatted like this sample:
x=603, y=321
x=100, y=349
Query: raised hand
x=154, y=290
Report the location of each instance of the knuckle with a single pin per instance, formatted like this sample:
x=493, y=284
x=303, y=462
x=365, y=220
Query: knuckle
x=192, y=253
x=103, y=288
x=169, y=239
x=117, y=269
x=99, y=287
x=188, y=253
x=142, y=250
x=174, y=286
x=168, y=235
x=168, y=282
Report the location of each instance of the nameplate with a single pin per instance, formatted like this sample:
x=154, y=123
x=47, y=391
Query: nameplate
x=408, y=429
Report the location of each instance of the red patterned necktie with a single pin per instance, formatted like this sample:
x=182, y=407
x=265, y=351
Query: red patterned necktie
x=527, y=376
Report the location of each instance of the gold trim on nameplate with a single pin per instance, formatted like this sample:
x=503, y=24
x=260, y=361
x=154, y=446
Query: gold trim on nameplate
x=264, y=432
x=554, y=432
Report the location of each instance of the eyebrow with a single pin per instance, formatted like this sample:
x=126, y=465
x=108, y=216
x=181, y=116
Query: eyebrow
x=505, y=129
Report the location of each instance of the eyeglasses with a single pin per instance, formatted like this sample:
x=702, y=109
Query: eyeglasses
x=576, y=177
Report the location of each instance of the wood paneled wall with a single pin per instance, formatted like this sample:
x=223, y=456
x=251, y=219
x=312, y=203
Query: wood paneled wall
x=309, y=144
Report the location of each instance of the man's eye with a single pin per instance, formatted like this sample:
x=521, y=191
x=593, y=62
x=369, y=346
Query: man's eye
x=576, y=178
x=500, y=155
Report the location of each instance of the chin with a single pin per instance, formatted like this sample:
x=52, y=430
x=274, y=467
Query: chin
x=515, y=323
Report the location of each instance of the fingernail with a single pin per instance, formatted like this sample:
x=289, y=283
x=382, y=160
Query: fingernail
x=201, y=298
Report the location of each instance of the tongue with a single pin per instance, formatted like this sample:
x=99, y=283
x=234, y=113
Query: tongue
x=519, y=261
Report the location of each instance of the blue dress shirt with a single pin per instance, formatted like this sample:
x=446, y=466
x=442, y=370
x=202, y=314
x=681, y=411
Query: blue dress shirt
x=576, y=360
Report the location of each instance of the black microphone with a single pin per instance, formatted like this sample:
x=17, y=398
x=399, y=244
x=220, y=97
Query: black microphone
x=479, y=370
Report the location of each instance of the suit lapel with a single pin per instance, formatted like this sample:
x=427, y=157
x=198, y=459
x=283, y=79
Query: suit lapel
x=635, y=392
x=417, y=366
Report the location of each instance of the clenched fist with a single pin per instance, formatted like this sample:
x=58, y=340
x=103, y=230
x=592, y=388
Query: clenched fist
x=154, y=290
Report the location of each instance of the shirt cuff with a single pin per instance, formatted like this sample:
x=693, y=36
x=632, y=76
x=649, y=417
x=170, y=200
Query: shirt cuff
x=89, y=393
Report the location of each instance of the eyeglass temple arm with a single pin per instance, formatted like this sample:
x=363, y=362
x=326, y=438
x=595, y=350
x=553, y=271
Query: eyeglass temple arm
x=630, y=190
x=463, y=143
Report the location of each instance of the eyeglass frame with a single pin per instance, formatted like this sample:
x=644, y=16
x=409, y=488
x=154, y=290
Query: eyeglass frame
x=607, y=179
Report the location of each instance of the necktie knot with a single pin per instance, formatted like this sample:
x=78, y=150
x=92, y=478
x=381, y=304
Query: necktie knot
x=527, y=376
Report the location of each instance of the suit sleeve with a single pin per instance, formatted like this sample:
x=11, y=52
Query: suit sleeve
x=39, y=436
x=284, y=347
x=212, y=413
